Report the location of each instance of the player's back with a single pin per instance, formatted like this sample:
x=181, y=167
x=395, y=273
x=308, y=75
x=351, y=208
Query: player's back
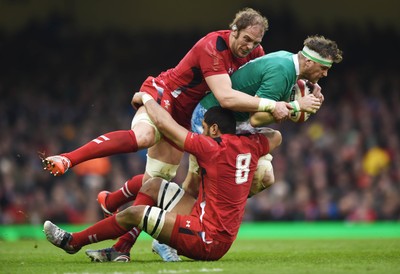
x=228, y=165
x=267, y=69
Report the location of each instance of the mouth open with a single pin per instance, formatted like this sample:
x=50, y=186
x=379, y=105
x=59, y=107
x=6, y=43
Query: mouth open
x=244, y=52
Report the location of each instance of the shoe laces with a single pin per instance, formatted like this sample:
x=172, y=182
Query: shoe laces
x=59, y=234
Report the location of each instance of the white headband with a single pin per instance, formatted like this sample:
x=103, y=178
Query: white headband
x=316, y=57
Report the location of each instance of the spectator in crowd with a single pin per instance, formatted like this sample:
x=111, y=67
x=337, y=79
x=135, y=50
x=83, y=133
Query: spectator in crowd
x=318, y=168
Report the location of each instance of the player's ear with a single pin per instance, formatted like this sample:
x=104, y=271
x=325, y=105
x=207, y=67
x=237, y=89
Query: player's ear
x=214, y=130
x=235, y=31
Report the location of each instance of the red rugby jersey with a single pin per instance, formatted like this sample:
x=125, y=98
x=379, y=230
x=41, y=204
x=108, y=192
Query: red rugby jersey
x=228, y=165
x=185, y=84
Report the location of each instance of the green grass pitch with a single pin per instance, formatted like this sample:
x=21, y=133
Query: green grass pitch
x=251, y=253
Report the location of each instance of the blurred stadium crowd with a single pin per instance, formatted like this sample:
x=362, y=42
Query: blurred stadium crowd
x=61, y=88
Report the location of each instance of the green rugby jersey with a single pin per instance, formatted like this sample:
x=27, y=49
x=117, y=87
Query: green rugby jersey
x=270, y=76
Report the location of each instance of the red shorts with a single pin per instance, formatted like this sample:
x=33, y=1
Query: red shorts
x=187, y=239
x=162, y=94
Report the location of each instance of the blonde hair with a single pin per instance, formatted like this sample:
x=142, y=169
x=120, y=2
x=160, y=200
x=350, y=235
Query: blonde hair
x=248, y=17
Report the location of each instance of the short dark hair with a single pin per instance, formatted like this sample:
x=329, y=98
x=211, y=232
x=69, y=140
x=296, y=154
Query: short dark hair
x=223, y=117
x=325, y=47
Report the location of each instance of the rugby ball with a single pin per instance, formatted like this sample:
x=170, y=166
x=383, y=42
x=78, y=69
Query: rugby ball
x=300, y=89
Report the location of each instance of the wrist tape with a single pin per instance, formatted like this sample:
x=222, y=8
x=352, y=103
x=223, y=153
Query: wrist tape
x=295, y=105
x=146, y=97
x=266, y=105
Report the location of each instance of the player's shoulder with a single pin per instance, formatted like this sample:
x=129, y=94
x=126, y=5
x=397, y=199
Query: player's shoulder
x=197, y=138
x=218, y=39
x=281, y=56
x=244, y=137
x=252, y=137
x=254, y=142
x=278, y=61
x=272, y=58
x=214, y=34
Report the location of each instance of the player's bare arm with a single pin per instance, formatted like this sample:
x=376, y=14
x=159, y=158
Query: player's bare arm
x=162, y=119
x=274, y=137
x=260, y=118
x=229, y=98
x=309, y=103
x=221, y=86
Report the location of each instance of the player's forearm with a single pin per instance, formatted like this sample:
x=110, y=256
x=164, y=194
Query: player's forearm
x=230, y=98
x=157, y=114
x=259, y=119
x=164, y=121
x=239, y=101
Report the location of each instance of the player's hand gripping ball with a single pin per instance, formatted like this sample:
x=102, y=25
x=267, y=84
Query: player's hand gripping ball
x=300, y=89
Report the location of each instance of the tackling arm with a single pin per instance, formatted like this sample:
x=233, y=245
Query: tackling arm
x=259, y=119
x=163, y=120
x=229, y=98
x=221, y=86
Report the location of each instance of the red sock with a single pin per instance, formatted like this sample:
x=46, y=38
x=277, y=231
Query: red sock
x=126, y=241
x=116, y=142
x=125, y=194
x=105, y=229
x=144, y=199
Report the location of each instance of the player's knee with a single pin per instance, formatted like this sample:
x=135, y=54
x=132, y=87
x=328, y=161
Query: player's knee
x=145, y=136
x=146, y=132
x=169, y=195
x=151, y=187
x=131, y=216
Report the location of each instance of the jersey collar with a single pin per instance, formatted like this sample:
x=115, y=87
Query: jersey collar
x=296, y=64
